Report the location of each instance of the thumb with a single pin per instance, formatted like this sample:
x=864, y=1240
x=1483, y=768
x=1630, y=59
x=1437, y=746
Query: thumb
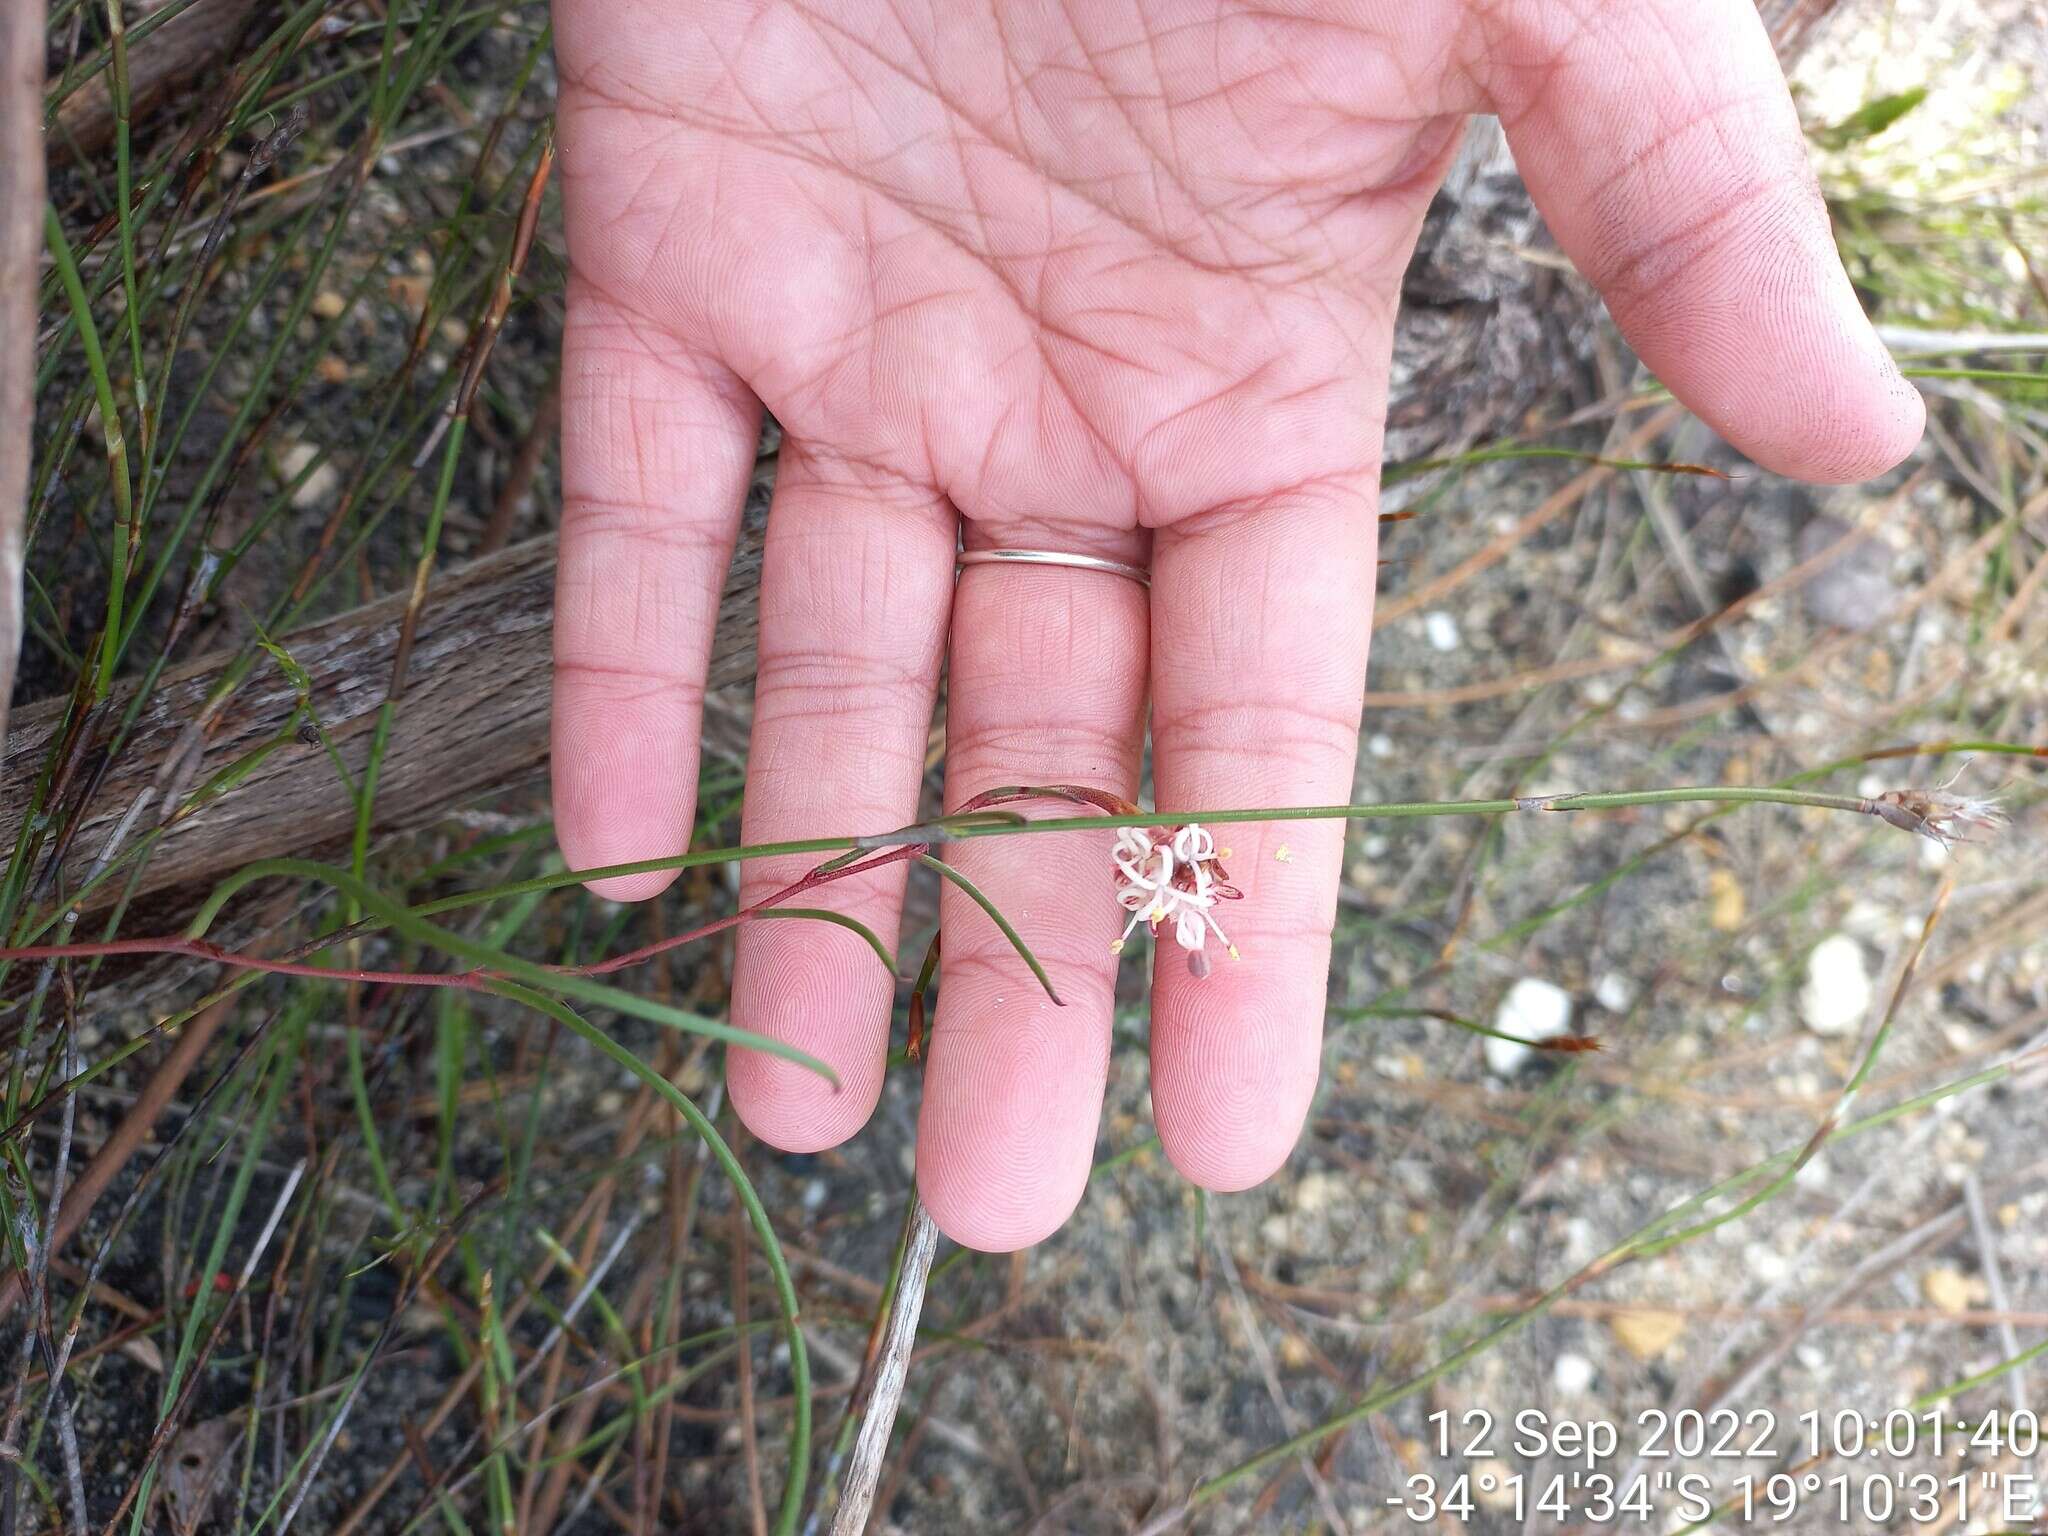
x=1660, y=142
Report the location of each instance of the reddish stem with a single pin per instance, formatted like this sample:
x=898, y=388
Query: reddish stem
x=810, y=882
x=469, y=981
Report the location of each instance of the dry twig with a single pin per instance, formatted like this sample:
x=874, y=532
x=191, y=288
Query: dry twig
x=864, y=1470
x=21, y=244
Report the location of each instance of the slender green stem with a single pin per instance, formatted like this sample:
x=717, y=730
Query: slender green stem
x=838, y=919
x=1956, y=1388
x=1988, y=375
x=110, y=427
x=946, y=830
x=124, y=185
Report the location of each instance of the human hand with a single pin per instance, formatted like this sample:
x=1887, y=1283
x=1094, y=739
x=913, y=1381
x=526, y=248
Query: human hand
x=1100, y=278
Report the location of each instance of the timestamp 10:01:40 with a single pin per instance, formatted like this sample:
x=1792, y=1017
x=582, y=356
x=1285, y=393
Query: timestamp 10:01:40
x=1729, y=1434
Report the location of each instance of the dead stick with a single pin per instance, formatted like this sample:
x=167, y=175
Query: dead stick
x=476, y=721
x=21, y=247
x=170, y=57
x=864, y=1471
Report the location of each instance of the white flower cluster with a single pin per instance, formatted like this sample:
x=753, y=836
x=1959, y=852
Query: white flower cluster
x=1170, y=881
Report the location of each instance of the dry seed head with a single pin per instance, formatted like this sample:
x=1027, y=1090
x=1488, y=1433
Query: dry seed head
x=1939, y=814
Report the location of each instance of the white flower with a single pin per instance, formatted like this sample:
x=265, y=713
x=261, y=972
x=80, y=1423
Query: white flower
x=1192, y=844
x=1172, y=877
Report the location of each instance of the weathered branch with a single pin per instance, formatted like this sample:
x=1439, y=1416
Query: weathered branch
x=864, y=1471
x=21, y=246
x=475, y=719
x=175, y=54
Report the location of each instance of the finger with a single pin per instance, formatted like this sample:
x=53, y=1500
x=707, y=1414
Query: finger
x=1260, y=621
x=657, y=445
x=856, y=580
x=1662, y=147
x=1046, y=684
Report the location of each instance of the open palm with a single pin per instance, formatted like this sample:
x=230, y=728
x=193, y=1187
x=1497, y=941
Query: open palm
x=1115, y=277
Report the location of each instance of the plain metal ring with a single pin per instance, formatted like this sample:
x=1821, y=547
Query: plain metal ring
x=1136, y=573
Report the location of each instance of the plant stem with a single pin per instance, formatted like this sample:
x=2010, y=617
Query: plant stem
x=946, y=830
x=110, y=428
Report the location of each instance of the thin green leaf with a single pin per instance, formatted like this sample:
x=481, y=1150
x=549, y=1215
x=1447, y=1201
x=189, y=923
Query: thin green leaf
x=1016, y=939
x=395, y=915
x=824, y=915
x=1870, y=119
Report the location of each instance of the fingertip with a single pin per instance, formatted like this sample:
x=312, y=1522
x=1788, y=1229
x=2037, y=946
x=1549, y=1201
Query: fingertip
x=1207, y=1155
x=642, y=887
x=820, y=990
x=1666, y=155
x=1864, y=420
x=1013, y=1094
x=618, y=805
x=997, y=1218
x=1236, y=1054
x=791, y=1107
x=1808, y=391
x=1231, y=1123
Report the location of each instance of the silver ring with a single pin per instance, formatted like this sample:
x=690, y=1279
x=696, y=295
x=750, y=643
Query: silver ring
x=1136, y=573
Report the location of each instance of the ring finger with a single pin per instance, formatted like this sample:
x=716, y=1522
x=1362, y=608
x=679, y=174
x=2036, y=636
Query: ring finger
x=1046, y=685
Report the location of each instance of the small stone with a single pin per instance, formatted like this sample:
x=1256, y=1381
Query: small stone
x=1648, y=1332
x=320, y=484
x=1581, y=1241
x=1571, y=1374
x=1317, y=1191
x=1441, y=630
x=410, y=289
x=1294, y=1352
x=1615, y=992
x=1489, y=1492
x=1855, y=589
x=1837, y=994
x=327, y=304
x=1767, y=1264
x=1950, y=1290
x=1379, y=744
x=1534, y=1009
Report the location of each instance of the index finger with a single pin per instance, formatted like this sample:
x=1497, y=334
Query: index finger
x=657, y=447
